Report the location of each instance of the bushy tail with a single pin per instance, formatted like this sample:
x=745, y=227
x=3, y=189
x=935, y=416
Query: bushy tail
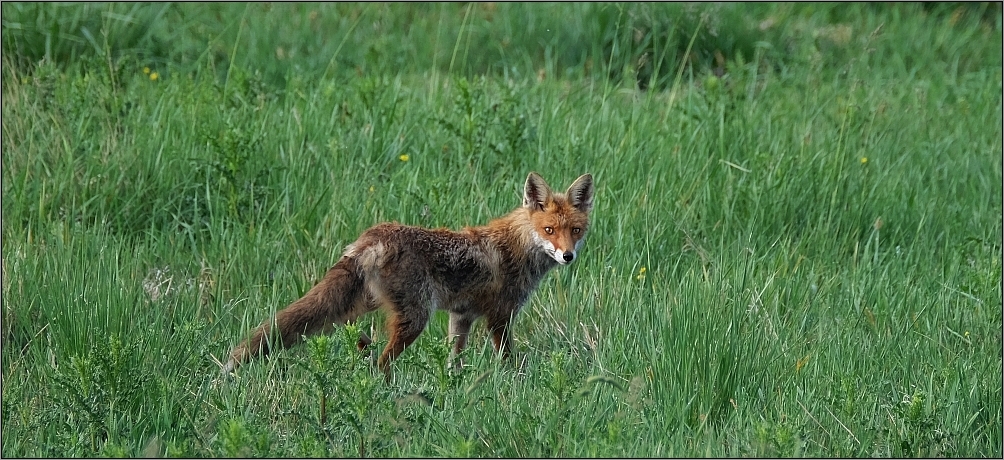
x=338, y=298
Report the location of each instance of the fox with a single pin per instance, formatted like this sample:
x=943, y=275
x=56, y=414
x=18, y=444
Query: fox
x=486, y=271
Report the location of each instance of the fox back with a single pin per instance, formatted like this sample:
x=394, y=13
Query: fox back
x=486, y=271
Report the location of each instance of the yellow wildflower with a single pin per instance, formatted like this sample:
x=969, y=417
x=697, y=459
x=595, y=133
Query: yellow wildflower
x=154, y=76
x=864, y=160
x=799, y=364
x=403, y=157
x=146, y=70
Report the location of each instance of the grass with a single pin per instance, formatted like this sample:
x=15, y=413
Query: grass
x=795, y=248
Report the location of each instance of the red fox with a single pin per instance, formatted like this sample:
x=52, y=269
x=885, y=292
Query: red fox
x=486, y=271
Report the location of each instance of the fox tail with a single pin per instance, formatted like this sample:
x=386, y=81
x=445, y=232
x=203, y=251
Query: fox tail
x=338, y=298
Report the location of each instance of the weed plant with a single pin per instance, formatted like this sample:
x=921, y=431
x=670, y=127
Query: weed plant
x=795, y=248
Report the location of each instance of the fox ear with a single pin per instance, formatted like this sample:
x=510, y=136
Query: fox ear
x=580, y=193
x=536, y=193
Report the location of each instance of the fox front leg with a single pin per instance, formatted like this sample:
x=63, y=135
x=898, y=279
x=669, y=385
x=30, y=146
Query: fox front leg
x=499, y=327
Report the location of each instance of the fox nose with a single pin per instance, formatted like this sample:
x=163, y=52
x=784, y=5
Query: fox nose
x=568, y=256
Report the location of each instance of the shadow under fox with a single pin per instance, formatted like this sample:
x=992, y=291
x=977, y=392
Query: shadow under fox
x=487, y=271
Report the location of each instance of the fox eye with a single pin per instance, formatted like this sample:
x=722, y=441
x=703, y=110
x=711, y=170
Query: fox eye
x=549, y=230
x=576, y=230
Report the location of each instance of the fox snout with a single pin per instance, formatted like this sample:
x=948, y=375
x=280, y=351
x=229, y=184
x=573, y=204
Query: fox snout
x=567, y=257
x=562, y=257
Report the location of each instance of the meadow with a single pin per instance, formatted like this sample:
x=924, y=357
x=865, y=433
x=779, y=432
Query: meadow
x=795, y=248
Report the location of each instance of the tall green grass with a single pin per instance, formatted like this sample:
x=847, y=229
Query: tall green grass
x=795, y=248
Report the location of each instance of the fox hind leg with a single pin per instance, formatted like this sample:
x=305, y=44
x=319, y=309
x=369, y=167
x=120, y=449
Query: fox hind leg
x=460, y=327
x=403, y=330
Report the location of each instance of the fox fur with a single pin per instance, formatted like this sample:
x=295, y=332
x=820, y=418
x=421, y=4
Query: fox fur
x=486, y=271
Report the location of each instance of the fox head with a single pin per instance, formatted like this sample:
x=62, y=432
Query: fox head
x=559, y=220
